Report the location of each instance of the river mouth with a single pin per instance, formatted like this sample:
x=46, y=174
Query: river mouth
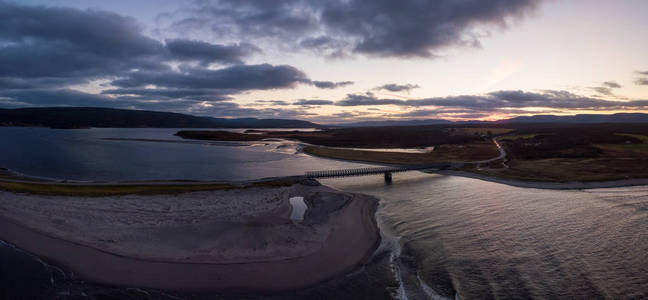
x=442, y=234
x=482, y=238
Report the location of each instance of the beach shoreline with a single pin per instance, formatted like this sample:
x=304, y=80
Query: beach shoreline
x=547, y=185
x=353, y=236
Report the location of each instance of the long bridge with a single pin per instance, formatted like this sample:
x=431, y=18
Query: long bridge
x=387, y=171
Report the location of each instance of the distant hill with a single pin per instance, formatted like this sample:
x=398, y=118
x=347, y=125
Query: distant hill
x=83, y=117
x=589, y=118
x=395, y=123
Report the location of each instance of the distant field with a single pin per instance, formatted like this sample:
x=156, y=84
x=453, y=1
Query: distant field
x=517, y=136
x=574, y=153
x=479, y=131
x=537, y=152
x=441, y=153
x=565, y=170
x=99, y=190
x=367, y=137
x=641, y=137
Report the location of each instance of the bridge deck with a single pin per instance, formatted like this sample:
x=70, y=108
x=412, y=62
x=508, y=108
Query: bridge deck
x=370, y=171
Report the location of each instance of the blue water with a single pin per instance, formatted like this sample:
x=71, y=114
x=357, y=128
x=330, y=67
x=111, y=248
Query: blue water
x=84, y=154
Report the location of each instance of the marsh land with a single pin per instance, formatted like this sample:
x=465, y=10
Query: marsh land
x=534, y=152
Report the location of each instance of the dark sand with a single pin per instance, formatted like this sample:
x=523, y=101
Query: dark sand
x=352, y=240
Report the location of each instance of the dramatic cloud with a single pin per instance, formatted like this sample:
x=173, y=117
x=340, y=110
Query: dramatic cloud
x=393, y=87
x=642, y=81
x=606, y=88
x=367, y=99
x=238, y=77
x=173, y=93
x=373, y=27
x=71, y=44
x=500, y=100
x=642, y=73
x=305, y=102
x=272, y=102
x=611, y=84
x=59, y=97
x=44, y=51
x=209, y=53
x=330, y=84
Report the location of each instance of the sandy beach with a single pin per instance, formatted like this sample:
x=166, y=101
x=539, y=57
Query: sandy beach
x=240, y=241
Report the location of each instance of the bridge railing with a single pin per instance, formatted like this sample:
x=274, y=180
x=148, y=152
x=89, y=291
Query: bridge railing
x=368, y=171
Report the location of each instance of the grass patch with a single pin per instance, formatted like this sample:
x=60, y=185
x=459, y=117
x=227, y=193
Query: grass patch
x=641, y=137
x=571, y=169
x=479, y=131
x=442, y=153
x=625, y=149
x=85, y=190
x=514, y=137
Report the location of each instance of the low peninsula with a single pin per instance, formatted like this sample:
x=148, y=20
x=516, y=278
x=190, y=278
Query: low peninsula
x=538, y=152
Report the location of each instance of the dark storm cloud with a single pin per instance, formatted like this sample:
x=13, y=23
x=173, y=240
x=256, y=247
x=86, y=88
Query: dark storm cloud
x=367, y=99
x=272, y=102
x=57, y=97
x=434, y=112
x=518, y=99
x=322, y=43
x=500, y=99
x=174, y=93
x=641, y=81
x=394, y=87
x=38, y=41
x=209, y=53
x=45, y=50
x=315, y=102
x=68, y=97
x=238, y=77
x=373, y=27
x=331, y=84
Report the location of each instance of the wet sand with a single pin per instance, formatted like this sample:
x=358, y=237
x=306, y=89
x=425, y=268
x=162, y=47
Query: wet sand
x=337, y=234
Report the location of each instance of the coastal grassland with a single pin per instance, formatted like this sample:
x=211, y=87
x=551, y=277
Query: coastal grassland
x=598, y=152
x=364, y=137
x=641, y=137
x=514, y=137
x=441, y=153
x=118, y=189
x=625, y=149
x=479, y=130
x=566, y=170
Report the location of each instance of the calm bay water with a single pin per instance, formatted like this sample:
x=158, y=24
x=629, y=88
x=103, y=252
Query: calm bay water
x=84, y=154
x=443, y=235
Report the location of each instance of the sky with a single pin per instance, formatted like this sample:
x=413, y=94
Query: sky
x=330, y=61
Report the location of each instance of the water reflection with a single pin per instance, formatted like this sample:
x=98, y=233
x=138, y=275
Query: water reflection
x=85, y=155
x=488, y=240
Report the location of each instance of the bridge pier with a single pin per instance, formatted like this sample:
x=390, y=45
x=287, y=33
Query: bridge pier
x=388, y=177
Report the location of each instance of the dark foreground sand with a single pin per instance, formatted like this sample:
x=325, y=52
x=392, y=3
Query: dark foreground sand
x=269, y=253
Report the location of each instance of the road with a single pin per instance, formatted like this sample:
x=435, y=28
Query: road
x=502, y=155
